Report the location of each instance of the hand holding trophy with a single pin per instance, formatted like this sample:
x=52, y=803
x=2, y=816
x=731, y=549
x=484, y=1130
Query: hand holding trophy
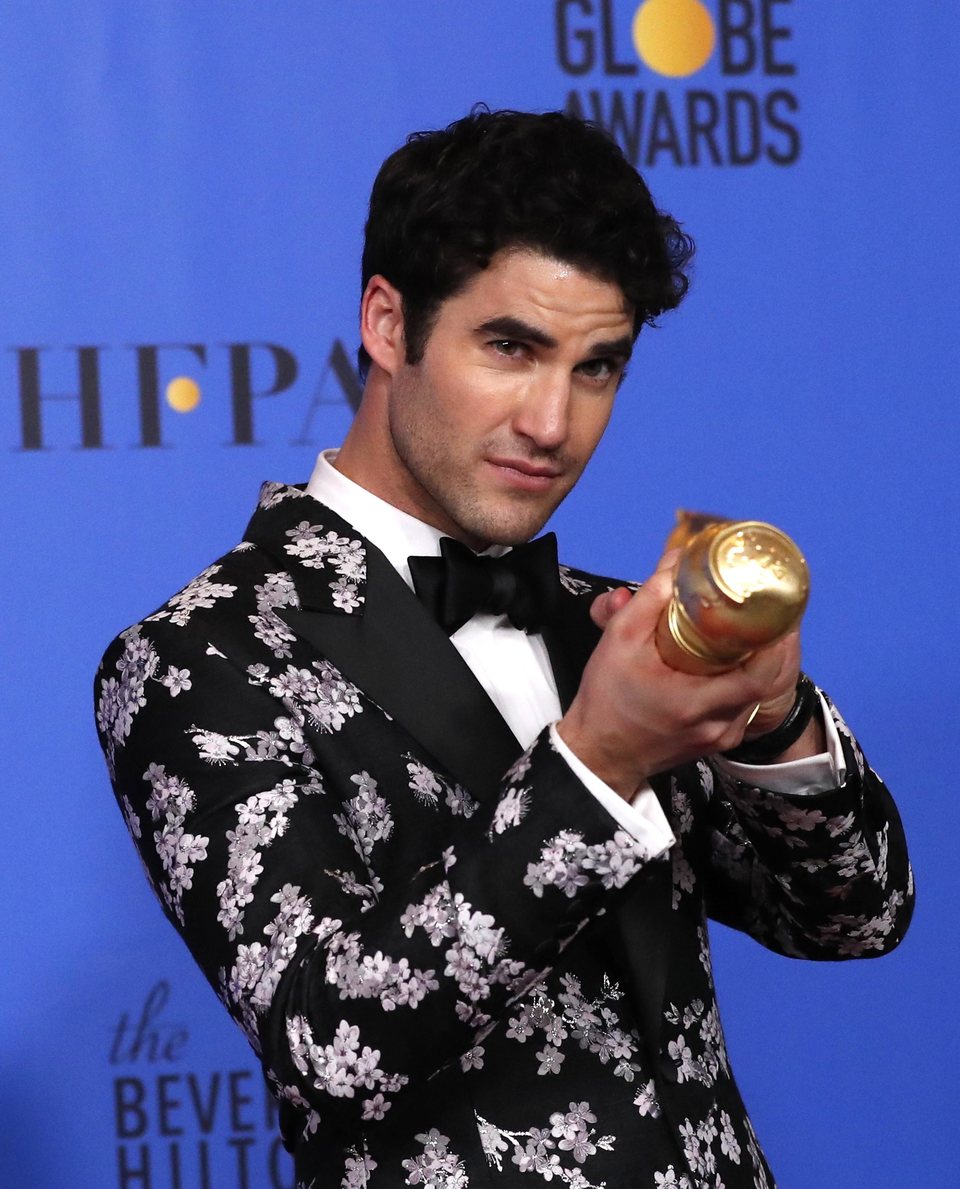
x=738, y=587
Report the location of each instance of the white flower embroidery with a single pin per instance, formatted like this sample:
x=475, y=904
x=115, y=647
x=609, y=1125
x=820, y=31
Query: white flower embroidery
x=214, y=747
x=366, y=819
x=537, y=1150
x=357, y=1169
x=435, y=1167
x=427, y=786
x=319, y=548
x=550, y=1060
x=250, y=984
x=260, y=819
x=683, y=878
x=567, y=861
x=176, y=680
x=130, y=816
x=474, y=958
x=671, y=1179
x=378, y=976
x=728, y=1140
x=511, y=810
x=341, y=1067
x=200, y=593
x=575, y=586
x=320, y=693
x=122, y=697
x=169, y=802
x=424, y=784
x=472, y=1059
x=272, y=493
x=646, y=1100
x=275, y=592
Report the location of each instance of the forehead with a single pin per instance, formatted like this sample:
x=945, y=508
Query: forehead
x=530, y=284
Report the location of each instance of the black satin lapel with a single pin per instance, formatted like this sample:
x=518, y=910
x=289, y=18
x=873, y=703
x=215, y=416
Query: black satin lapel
x=401, y=659
x=570, y=637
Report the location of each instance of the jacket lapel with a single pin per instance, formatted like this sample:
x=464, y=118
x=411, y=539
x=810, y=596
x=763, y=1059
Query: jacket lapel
x=401, y=659
x=389, y=647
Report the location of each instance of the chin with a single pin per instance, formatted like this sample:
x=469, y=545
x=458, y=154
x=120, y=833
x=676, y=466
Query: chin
x=513, y=531
x=482, y=522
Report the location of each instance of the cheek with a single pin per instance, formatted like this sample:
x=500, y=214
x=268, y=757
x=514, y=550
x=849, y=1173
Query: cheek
x=591, y=426
x=476, y=412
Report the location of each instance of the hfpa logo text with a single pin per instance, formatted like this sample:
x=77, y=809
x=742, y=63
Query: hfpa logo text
x=93, y=397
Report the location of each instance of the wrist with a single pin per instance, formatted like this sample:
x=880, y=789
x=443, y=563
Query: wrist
x=605, y=763
x=794, y=727
x=770, y=715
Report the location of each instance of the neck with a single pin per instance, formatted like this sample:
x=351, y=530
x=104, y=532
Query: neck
x=369, y=458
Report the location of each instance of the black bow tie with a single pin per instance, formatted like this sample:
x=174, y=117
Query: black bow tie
x=524, y=584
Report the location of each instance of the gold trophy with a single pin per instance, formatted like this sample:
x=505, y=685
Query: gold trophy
x=739, y=586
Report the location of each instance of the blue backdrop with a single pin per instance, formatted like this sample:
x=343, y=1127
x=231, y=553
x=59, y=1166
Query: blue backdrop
x=184, y=197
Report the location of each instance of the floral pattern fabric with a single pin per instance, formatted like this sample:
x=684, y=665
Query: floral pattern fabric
x=433, y=976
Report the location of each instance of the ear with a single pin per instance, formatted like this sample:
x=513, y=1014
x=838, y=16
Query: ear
x=381, y=324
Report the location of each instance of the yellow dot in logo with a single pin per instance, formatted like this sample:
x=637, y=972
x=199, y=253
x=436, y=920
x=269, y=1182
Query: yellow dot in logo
x=183, y=394
x=674, y=37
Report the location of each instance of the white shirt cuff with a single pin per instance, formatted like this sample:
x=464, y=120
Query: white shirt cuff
x=642, y=817
x=816, y=774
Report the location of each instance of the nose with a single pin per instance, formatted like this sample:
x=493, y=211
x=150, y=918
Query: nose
x=543, y=413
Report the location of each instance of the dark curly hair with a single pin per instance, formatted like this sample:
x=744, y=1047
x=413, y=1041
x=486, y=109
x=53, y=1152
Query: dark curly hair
x=445, y=203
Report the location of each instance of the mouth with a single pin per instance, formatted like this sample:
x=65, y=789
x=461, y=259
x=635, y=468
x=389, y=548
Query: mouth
x=524, y=475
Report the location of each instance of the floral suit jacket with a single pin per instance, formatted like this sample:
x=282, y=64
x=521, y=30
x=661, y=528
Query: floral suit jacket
x=457, y=969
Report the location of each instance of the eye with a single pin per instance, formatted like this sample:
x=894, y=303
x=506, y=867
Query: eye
x=509, y=347
x=600, y=369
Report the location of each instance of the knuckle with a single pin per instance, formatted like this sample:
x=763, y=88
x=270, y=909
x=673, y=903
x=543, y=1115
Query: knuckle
x=689, y=720
x=708, y=735
x=731, y=737
x=756, y=687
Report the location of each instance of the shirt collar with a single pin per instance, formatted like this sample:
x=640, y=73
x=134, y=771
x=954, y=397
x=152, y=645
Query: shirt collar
x=397, y=535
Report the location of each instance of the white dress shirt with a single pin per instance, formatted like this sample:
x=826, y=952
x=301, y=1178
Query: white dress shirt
x=514, y=668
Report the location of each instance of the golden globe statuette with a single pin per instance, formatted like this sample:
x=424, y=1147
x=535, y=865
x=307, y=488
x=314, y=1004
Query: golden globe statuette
x=739, y=585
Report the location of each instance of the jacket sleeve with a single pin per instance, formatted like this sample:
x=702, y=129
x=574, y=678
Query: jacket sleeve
x=822, y=875
x=363, y=918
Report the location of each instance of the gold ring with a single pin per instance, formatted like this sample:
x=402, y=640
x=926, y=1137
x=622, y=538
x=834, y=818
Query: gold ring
x=753, y=714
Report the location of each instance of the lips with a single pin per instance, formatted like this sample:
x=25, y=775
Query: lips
x=525, y=475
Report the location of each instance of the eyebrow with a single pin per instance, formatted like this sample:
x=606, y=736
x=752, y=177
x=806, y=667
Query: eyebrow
x=508, y=327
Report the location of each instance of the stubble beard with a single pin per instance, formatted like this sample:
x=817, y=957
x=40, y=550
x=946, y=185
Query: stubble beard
x=481, y=519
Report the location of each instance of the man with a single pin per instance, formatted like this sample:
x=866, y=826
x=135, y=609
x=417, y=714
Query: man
x=452, y=878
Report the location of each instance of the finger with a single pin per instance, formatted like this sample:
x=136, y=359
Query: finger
x=657, y=590
x=791, y=644
x=764, y=667
x=604, y=607
x=789, y=662
x=733, y=736
x=772, y=680
x=668, y=561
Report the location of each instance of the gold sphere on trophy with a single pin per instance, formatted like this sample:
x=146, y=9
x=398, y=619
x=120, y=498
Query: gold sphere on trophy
x=739, y=586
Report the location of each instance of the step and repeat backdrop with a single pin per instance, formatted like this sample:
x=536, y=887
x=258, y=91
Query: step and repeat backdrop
x=181, y=218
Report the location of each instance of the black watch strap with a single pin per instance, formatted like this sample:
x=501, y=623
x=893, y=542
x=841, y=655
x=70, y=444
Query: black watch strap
x=765, y=748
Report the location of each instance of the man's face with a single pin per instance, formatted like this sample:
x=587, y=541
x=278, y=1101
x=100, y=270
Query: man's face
x=493, y=427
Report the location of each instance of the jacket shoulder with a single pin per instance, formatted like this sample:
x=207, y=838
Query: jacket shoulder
x=225, y=582
x=282, y=548
x=583, y=583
